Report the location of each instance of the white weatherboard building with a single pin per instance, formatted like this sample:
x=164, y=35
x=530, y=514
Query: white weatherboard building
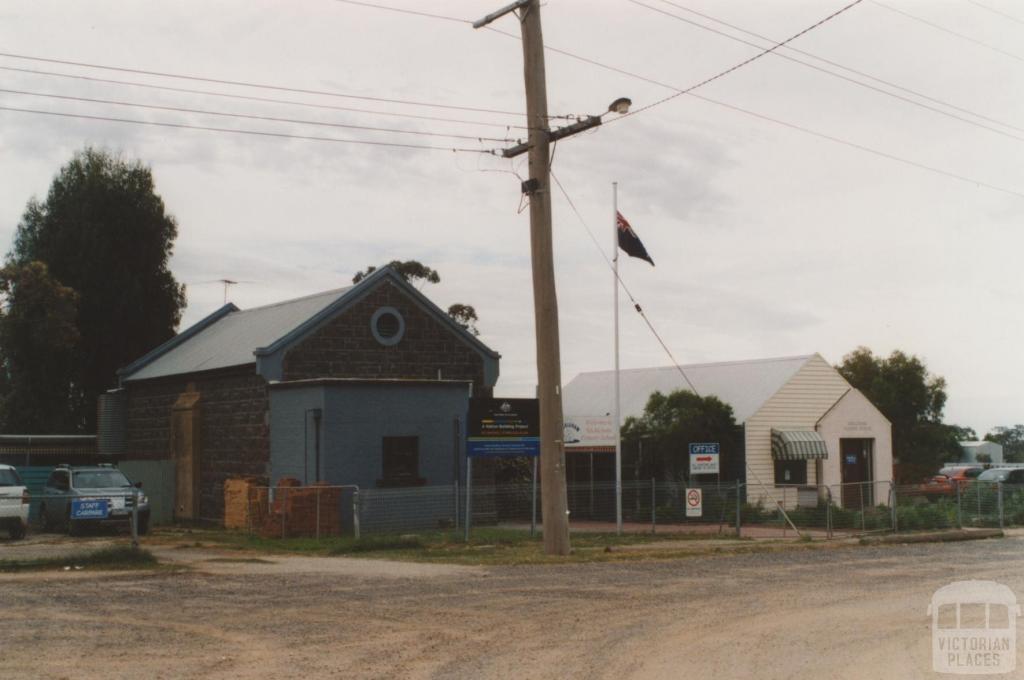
x=971, y=449
x=803, y=424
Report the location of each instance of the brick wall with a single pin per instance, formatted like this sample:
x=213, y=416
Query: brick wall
x=233, y=434
x=345, y=347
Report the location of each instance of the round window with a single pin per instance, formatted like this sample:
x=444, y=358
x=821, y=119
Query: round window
x=387, y=326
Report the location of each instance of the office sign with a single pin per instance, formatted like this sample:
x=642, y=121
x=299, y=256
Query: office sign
x=589, y=432
x=694, y=503
x=704, y=459
x=503, y=428
x=90, y=508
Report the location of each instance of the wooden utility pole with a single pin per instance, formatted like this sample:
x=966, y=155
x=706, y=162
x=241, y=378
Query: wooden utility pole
x=554, y=504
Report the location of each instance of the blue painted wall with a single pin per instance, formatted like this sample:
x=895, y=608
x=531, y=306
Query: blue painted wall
x=355, y=419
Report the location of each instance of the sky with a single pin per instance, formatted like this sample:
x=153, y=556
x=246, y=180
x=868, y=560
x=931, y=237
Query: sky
x=788, y=209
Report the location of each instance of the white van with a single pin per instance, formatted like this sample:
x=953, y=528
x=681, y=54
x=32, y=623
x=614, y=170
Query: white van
x=13, y=502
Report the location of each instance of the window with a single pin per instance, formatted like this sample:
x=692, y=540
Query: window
x=790, y=472
x=8, y=477
x=401, y=462
x=387, y=326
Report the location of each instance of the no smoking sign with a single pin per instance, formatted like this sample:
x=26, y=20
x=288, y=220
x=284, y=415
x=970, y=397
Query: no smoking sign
x=694, y=503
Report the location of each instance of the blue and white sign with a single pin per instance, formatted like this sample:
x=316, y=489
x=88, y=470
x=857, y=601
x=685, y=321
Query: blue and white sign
x=90, y=508
x=503, y=428
x=704, y=458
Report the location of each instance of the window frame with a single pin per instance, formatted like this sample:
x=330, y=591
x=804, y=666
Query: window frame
x=778, y=471
x=397, y=473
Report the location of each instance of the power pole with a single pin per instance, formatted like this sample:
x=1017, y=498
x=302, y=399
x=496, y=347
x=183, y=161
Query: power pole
x=554, y=504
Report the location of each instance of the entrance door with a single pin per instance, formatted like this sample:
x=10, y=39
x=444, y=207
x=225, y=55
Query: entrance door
x=856, y=455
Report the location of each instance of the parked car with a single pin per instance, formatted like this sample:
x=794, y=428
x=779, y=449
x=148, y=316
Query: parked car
x=68, y=483
x=13, y=503
x=944, y=484
x=1004, y=475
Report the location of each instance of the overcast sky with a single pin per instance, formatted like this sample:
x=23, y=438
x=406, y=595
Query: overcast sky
x=769, y=241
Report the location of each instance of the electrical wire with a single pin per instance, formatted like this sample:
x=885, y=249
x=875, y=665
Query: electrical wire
x=743, y=63
x=938, y=27
x=996, y=11
x=406, y=11
x=274, y=119
x=833, y=73
x=636, y=305
x=242, y=97
x=262, y=86
x=258, y=133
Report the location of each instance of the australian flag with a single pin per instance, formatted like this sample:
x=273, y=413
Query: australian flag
x=629, y=241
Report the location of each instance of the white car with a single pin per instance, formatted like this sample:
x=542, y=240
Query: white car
x=13, y=502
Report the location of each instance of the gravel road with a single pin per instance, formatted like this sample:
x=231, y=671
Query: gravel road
x=853, y=612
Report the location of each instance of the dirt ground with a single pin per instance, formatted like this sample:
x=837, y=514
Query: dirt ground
x=850, y=612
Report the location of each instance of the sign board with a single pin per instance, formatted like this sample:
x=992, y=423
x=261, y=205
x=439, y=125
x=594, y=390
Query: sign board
x=704, y=459
x=694, y=503
x=589, y=432
x=90, y=508
x=500, y=428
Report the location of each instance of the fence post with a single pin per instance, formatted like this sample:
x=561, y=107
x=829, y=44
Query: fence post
x=533, y=498
x=469, y=495
x=318, y=513
x=895, y=514
x=135, y=519
x=863, y=519
x=828, y=513
x=654, y=505
x=959, y=512
x=738, y=505
x=355, y=514
x=999, y=498
x=455, y=486
x=284, y=514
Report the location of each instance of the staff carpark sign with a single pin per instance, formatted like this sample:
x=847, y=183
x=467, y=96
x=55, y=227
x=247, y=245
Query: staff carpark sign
x=704, y=459
x=90, y=508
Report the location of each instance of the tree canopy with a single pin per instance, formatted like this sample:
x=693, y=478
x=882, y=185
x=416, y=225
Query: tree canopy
x=913, y=400
x=414, y=271
x=670, y=423
x=1012, y=441
x=37, y=337
x=103, y=232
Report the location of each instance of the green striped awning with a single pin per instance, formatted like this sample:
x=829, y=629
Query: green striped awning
x=798, y=445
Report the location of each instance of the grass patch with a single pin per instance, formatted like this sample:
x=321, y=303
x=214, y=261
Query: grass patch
x=114, y=558
x=487, y=545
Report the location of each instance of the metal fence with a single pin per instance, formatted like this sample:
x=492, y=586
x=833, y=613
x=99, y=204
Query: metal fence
x=818, y=511
x=728, y=508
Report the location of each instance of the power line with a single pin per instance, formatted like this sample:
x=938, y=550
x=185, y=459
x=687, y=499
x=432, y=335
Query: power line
x=996, y=11
x=258, y=133
x=242, y=97
x=262, y=86
x=791, y=126
x=740, y=65
x=636, y=305
x=833, y=73
x=406, y=11
x=948, y=30
x=274, y=119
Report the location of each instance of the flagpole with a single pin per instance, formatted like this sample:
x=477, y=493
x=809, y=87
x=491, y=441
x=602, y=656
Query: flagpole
x=618, y=422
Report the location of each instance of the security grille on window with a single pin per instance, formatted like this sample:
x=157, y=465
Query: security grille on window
x=790, y=472
x=401, y=462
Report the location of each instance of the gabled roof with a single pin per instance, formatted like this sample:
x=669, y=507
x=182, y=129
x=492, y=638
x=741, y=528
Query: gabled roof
x=235, y=337
x=744, y=385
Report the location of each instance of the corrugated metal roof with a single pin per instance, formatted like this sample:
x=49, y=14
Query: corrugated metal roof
x=744, y=385
x=231, y=340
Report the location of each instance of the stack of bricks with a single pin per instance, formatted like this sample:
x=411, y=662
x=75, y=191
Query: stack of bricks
x=241, y=501
x=294, y=511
